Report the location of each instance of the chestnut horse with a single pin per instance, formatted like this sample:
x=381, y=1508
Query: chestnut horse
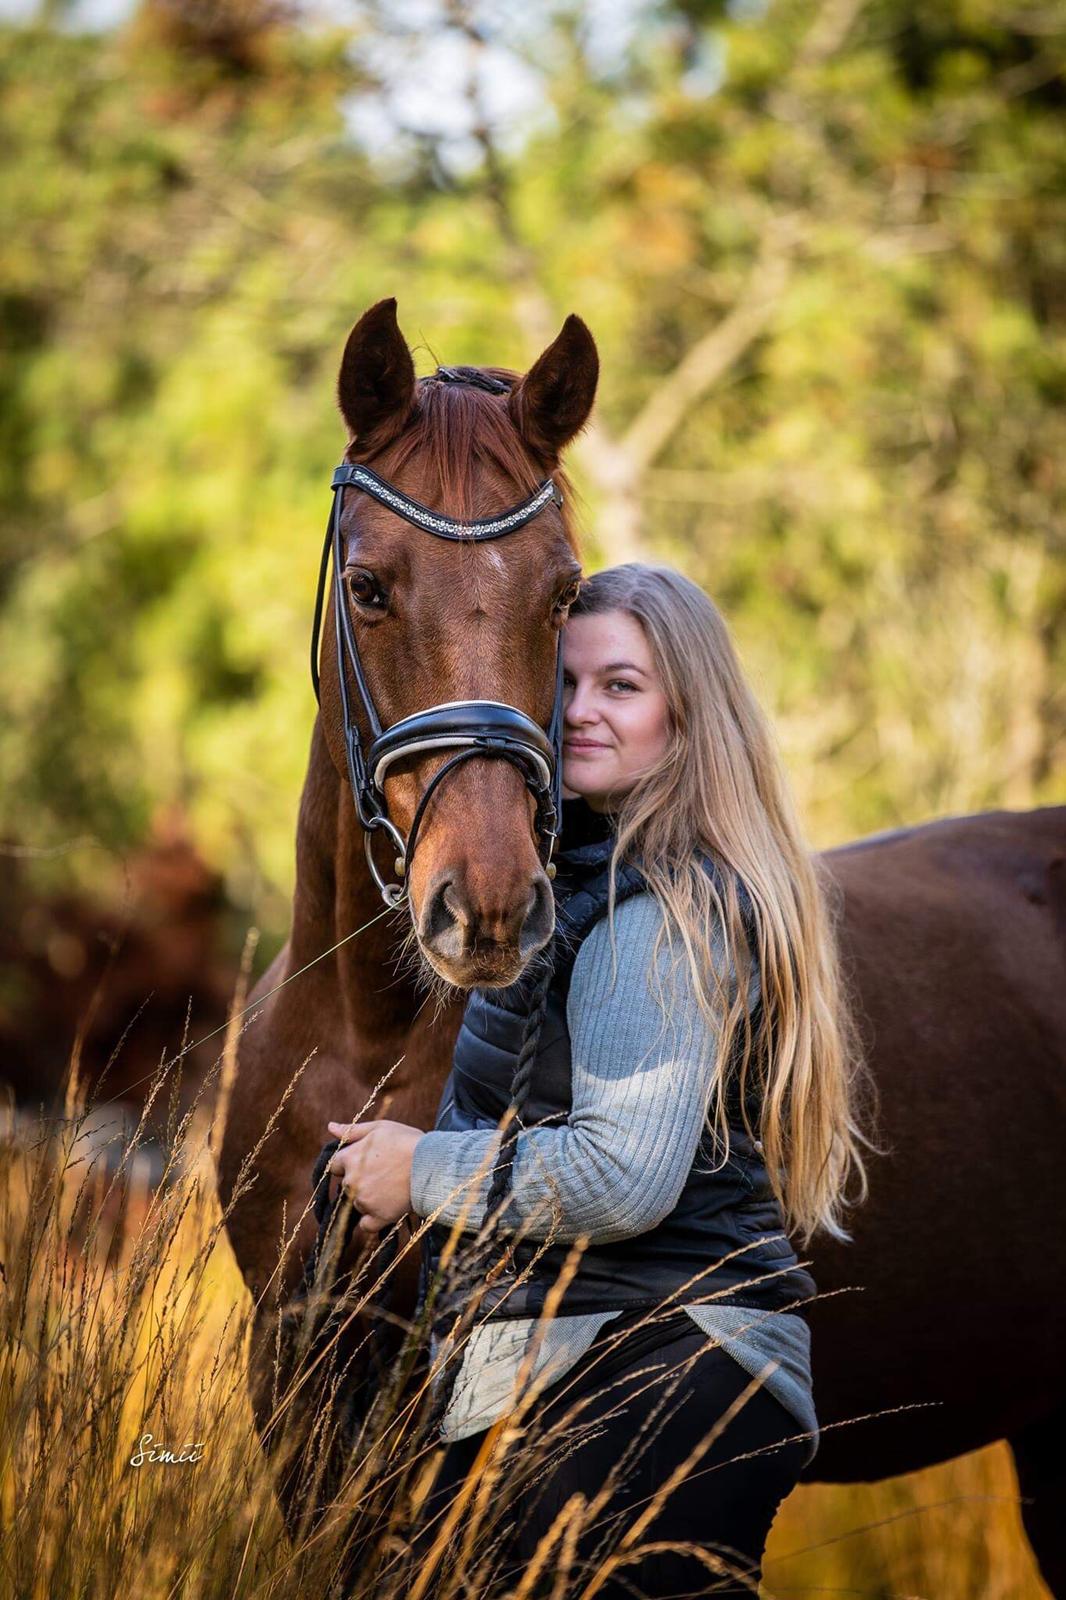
x=436, y=621
x=950, y=1328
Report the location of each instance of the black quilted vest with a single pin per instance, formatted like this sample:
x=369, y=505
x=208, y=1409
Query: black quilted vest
x=718, y=1213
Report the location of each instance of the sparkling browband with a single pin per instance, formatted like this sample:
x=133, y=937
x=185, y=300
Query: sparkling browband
x=445, y=527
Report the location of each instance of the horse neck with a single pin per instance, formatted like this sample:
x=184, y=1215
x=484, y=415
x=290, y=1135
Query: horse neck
x=335, y=895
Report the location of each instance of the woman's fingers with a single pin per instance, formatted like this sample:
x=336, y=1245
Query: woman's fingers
x=348, y=1132
x=339, y=1167
x=347, y=1172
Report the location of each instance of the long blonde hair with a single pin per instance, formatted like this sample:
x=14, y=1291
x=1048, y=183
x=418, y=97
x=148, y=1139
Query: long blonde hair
x=720, y=788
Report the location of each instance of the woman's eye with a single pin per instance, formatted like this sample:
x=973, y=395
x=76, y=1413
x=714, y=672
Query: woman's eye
x=621, y=683
x=364, y=590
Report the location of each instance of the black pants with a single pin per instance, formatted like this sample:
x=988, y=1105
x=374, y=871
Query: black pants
x=639, y=1407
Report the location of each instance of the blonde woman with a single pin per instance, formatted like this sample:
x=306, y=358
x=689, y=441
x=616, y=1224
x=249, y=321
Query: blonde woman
x=692, y=1103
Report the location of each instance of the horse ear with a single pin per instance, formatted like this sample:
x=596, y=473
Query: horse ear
x=553, y=401
x=376, y=385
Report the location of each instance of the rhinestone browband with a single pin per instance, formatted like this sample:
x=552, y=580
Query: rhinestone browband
x=445, y=527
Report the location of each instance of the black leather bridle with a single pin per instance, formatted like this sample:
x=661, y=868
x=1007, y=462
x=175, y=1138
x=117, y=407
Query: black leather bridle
x=476, y=728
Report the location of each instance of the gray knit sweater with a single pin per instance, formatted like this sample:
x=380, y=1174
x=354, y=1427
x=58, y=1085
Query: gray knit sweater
x=616, y=1167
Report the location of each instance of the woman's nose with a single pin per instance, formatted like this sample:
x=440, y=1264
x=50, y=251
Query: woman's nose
x=578, y=708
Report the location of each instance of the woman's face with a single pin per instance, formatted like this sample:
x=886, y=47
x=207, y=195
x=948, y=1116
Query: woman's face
x=616, y=722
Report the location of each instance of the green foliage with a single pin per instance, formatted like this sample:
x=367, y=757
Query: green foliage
x=871, y=483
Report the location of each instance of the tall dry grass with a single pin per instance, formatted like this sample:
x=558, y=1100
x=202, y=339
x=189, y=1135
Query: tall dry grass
x=123, y=1316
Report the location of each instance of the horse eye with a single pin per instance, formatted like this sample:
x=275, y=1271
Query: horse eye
x=364, y=590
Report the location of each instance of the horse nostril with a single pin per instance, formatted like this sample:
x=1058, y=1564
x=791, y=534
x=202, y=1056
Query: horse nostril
x=442, y=915
x=454, y=904
x=539, y=920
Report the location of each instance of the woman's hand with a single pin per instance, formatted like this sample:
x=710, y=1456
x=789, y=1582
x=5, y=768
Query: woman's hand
x=375, y=1169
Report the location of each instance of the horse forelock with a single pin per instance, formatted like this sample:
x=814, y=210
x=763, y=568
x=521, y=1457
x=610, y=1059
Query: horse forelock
x=457, y=432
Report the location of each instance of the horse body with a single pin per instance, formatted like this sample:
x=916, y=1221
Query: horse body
x=953, y=934
x=954, y=1286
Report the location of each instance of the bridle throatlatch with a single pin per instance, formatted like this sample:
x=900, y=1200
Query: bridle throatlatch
x=473, y=728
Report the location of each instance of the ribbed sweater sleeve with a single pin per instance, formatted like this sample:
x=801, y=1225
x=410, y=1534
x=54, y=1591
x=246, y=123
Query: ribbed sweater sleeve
x=640, y=1081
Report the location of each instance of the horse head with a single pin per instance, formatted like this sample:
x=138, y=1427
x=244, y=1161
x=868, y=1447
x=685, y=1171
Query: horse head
x=434, y=621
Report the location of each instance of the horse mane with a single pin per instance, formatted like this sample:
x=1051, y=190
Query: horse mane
x=455, y=428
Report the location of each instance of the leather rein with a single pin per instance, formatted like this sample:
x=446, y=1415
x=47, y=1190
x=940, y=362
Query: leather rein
x=473, y=728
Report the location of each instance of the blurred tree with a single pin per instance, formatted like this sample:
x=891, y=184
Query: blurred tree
x=231, y=38
x=822, y=247
x=173, y=300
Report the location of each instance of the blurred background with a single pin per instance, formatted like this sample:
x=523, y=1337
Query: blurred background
x=821, y=247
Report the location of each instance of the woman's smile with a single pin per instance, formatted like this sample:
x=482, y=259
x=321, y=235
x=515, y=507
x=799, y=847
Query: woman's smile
x=584, y=747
